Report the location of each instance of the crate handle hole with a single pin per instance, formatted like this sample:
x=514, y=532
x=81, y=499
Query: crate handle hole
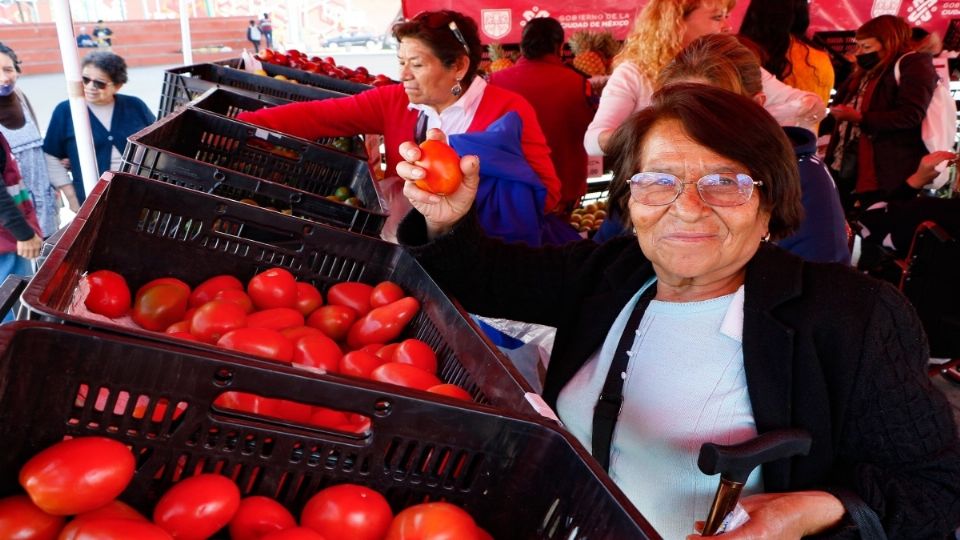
x=223, y=377
x=284, y=412
x=219, y=176
x=383, y=407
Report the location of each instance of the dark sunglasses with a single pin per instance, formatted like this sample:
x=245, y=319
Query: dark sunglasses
x=439, y=19
x=99, y=85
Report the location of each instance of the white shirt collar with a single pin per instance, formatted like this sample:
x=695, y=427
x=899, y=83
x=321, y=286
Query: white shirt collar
x=457, y=117
x=732, y=324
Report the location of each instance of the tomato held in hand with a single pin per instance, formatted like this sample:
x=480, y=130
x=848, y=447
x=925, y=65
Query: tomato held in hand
x=258, y=516
x=206, y=291
x=383, y=324
x=262, y=342
x=384, y=293
x=273, y=288
x=442, y=166
x=215, y=318
x=352, y=294
x=333, y=321
x=197, y=507
x=20, y=518
x=348, y=511
x=416, y=353
x=109, y=294
x=160, y=305
x=117, y=529
x=433, y=521
x=77, y=475
x=405, y=375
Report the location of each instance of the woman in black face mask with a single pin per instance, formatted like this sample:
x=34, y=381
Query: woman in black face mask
x=876, y=143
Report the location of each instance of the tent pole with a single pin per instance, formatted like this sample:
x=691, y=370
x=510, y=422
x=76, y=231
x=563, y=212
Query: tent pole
x=185, y=34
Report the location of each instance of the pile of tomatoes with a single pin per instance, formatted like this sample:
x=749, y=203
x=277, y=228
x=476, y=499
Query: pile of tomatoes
x=278, y=318
x=82, y=477
x=323, y=66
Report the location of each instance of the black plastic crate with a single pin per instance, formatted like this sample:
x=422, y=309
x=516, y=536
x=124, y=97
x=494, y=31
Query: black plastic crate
x=210, y=153
x=228, y=103
x=183, y=84
x=519, y=478
x=305, y=77
x=144, y=230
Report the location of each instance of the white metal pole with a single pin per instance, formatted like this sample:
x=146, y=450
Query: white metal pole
x=78, y=106
x=185, y=34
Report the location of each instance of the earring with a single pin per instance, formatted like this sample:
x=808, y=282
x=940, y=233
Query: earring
x=766, y=237
x=457, y=89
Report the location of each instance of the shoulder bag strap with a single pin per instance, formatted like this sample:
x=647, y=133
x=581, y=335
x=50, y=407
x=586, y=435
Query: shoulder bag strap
x=610, y=402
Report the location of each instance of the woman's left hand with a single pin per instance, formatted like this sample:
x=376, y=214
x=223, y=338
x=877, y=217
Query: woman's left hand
x=785, y=516
x=845, y=113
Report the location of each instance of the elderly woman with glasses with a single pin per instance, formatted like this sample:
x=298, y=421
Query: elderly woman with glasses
x=439, y=53
x=113, y=118
x=700, y=330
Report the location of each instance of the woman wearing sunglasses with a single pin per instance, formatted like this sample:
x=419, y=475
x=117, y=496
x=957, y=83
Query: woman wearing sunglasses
x=698, y=329
x=439, y=53
x=113, y=118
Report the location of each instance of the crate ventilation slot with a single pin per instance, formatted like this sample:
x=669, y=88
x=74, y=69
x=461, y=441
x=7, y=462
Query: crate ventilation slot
x=168, y=225
x=414, y=463
x=102, y=409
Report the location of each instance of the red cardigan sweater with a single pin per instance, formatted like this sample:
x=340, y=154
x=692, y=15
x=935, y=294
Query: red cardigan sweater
x=384, y=110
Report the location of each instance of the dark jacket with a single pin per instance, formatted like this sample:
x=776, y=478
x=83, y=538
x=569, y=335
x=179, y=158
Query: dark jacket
x=825, y=348
x=892, y=119
x=560, y=96
x=18, y=218
x=130, y=115
x=822, y=236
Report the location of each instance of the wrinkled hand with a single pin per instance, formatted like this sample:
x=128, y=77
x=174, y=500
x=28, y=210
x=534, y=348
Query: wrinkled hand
x=66, y=163
x=845, y=113
x=785, y=516
x=929, y=162
x=30, y=249
x=440, y=212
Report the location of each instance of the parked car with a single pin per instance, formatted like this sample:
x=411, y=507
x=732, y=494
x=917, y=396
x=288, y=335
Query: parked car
x=354, y=39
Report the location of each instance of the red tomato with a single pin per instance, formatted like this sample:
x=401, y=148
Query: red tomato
x=416, y=353
x=160, y=305
x=360, y=363
x=348, y=511
x=238, y=296
x=291, y=411
x=113, y=510
x=334, y=321
x=383, y=324
x=186, y=336
x=450, y=390
x=275, y=318
x=20, y=518
x=262, y=342
x=178, y=327
x=405, y=375
x=163, y=281
x=442, y=165
x=259, y=516
x=328, y=418
x=119, y=529
x=215, y=318
x=109, y=294
x=386, y=292
x=317, y=351
x=296, y=533
x=294, y=334
x=433, y=521
x=198, y=506
x=77, y=475
x=209, y=288
x=352, y=294
x=246, y=403
x=482, y=534
x=387, y=351
x=273, y=288
x=308, y=298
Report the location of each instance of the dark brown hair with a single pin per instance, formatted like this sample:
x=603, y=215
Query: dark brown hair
x=433, y=29
x=729, y=124
x=892, y=32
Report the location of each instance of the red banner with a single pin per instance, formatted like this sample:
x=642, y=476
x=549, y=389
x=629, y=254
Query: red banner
x=503, y=20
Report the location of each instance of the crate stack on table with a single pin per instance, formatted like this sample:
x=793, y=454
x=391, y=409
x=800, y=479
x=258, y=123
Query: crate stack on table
x=202, y=194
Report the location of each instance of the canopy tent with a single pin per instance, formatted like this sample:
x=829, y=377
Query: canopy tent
x=503, y=20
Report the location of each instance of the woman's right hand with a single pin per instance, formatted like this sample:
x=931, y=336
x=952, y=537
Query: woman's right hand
x=441, y=213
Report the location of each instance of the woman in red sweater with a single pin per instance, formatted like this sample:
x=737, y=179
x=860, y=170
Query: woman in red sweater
x=439, y=54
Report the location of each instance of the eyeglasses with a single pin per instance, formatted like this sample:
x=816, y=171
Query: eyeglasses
x=717, y=189
x=99, y=85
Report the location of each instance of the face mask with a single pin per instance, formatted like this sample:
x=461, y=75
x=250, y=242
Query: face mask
x=6, y=90
x=868, y=60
